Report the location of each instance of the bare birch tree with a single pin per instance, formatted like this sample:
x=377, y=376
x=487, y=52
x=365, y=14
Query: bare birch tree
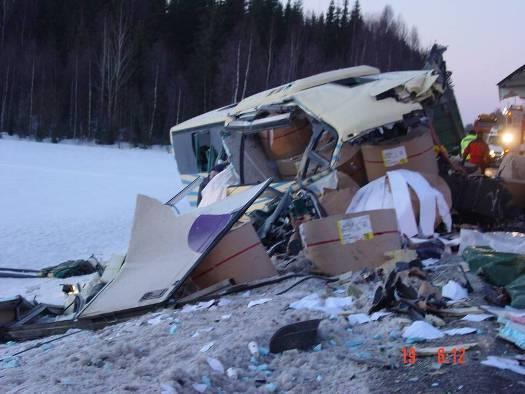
x=247, y=71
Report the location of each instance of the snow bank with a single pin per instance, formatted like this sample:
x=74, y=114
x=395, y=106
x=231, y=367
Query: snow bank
x=61, y=202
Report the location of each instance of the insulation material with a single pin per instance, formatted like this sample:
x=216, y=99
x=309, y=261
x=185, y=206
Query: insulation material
x=164, y=249
x=392, y=192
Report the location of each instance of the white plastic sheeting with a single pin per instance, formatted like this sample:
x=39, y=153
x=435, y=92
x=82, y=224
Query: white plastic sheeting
x=217, y=187
x=500, y=241
x=392, y=192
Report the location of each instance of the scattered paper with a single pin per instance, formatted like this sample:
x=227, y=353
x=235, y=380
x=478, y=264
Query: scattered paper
x=421, y=330
x=477, y=317
x=195, y=307
x=378, y=315
x=454, y=291
x=215, y=364
x=258, y=302
x=207, y=347
x=460, y=331
x=504, y=363
x=358, y=318
x=331, y=306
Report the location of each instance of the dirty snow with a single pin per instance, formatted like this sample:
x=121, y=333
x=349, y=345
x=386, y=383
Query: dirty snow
x=158, y=352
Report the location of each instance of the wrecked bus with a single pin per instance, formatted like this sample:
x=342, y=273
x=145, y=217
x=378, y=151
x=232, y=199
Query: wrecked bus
x=308, y=127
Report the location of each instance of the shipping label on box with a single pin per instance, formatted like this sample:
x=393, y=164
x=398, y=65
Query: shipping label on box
x=355, y=229
x=394, y=156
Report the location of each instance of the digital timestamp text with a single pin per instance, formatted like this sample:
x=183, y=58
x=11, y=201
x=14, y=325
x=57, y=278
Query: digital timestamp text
x=455, y=356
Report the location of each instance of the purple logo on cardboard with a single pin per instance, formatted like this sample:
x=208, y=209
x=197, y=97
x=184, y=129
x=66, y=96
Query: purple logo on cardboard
x=205, y=229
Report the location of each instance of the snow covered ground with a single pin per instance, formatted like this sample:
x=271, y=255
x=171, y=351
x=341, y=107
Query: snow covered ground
x=65, y=201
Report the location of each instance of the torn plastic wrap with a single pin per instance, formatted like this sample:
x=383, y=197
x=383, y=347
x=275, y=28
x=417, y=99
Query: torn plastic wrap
x=498, y=241
x=217, y=187
x=514, y=333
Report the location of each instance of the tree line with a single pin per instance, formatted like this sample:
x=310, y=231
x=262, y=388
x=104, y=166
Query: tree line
x=128, y=70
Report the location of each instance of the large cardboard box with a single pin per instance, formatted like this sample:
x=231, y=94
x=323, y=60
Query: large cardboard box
x=351, y=163
x=336, y=201
x=412, y=152
x=239, y=256
x=285, y=142
x=342, y=243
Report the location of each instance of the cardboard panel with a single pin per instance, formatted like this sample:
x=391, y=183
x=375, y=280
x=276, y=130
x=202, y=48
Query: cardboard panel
x=239, y=256
x=341, y=243
x=164, y=249
x=336, y=201
x=413, y=152
x=351, y=163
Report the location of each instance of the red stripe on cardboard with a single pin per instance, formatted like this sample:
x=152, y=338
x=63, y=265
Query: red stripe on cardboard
x=226, y=260
x=338, y=240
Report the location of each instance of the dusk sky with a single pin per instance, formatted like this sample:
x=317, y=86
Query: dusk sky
x=485, y=40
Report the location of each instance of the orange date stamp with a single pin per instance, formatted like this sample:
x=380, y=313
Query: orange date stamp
x=456, y=356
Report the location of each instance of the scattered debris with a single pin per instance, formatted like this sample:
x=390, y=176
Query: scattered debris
x=460, y=331
x=197, y=307
x=232, y=373
x=504, y=363
x=514, y=333
x=253, y=348
x=215, y=364
x=477, y=317
x=258, y=302
x=420, y=331
x=330, y=305
x=207, y=347
x=454, y=291
x=302, y=335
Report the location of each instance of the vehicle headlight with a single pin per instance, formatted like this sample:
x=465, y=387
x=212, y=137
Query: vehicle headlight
x=507, y=138
x=492, y=153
